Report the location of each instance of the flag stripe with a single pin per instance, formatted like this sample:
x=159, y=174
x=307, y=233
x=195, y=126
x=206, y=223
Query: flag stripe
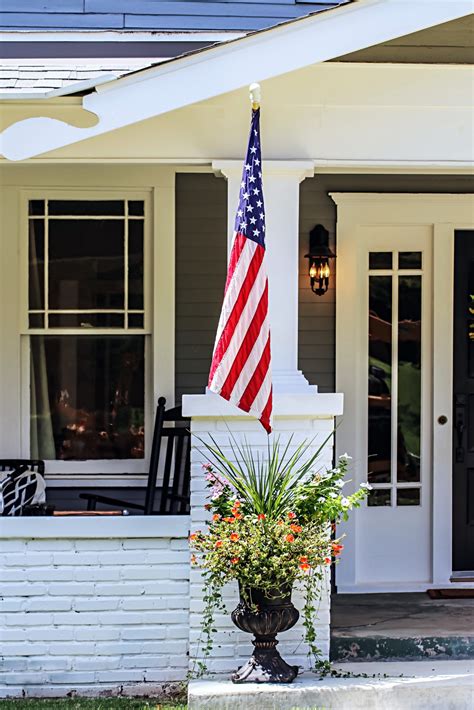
x=237, y=325
x=248, y=398
x=247, y=344
x=241, y=257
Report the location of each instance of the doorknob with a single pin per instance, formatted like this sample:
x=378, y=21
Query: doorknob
x=443, y=419
x=460, y=425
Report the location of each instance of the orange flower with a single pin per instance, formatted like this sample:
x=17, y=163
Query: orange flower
x=192, y=537
x=216, y=516
x=327, y=560
x=296, y=528
x=337, y=549
x=219, y=543
x=261, y=516
x=237, y=504
x=280, y=522
x=234, y=537
x=234, y=560
x=305, y=566
x=291, y=516
x=290, y=538
x=303, y=560
x=237, y=516
x=208, y=506
x=193, y=560
x=229, y=520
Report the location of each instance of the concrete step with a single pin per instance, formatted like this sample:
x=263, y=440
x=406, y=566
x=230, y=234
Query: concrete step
x=408, y=648
x=422, y=685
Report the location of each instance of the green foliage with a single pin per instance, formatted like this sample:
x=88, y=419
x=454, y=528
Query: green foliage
x=270, y=527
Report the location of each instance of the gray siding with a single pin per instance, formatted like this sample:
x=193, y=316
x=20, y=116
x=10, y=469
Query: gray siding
x=201, y=255
x=152, y=14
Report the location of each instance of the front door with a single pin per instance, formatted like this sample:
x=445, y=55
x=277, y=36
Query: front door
x=463, y=445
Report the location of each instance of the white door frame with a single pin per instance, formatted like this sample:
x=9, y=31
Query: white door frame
x=443, y=214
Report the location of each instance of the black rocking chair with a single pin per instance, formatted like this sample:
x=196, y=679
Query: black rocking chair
x=175, y=488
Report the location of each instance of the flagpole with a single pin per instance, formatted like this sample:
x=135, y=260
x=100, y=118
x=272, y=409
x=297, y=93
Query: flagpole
x=255, y=95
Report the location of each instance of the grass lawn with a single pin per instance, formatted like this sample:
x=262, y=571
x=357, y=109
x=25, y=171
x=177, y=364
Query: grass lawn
x=90, y=704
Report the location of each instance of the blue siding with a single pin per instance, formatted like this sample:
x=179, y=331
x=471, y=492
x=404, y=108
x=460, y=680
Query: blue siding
x=152, y=14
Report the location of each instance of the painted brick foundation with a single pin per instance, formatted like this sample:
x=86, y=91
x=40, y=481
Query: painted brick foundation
x=91, y=614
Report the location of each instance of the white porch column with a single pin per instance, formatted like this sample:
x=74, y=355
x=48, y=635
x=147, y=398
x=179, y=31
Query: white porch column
x=281, y=181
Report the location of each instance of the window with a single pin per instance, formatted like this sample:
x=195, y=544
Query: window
x=395, y=378
x=87, y=328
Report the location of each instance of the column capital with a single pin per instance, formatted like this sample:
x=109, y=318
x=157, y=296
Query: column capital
x=298, y=169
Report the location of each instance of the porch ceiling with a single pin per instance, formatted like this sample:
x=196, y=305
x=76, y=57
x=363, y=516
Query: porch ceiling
x=232, y=65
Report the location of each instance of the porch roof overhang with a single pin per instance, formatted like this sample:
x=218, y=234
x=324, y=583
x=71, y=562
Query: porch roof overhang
x=231, y=65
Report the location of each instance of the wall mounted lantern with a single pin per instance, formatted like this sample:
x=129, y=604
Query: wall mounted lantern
x=319, y=255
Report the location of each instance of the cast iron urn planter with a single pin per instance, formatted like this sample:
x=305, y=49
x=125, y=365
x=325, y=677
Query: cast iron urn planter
x=269, y=614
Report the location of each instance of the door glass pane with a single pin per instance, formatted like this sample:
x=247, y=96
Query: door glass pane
x=378, y=497
x=408, y=496
x=380, y=379
x=87, y=397
x=380, y=260
x=409, y=260
x=409, y=378
x=86, y=264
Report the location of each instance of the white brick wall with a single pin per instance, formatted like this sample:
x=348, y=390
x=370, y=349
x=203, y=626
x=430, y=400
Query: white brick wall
x=232, y=647
x=92, y=614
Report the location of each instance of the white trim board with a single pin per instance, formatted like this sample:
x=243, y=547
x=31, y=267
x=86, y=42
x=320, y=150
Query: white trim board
x=231, y=65
x=441, y=215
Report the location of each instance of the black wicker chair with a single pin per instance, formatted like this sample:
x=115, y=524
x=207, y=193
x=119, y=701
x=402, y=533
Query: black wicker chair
x=175, y=487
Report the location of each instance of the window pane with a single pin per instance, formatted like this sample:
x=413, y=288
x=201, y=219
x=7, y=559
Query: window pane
x=409, y=260
x=409, y=378
x=380, y=260
x=87, y=397
x=135, y=320
x=379, y=496
x=136, y=207
x=380, y=379
x=36, y=207
x=86, y=207
x=408, y=496
x=36, y=264
x=86, y=264
x=135, y=264
x=86, y=320
x=36, y=320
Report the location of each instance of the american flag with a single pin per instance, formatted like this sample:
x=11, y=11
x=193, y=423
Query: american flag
x=240, y=369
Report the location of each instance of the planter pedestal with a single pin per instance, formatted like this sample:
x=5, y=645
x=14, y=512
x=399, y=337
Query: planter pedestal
x=273, y=616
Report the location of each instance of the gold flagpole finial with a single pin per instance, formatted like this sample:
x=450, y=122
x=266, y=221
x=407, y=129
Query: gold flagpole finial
x=255, y=95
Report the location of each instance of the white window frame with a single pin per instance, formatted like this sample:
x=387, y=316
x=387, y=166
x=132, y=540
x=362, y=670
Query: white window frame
x=99, y=467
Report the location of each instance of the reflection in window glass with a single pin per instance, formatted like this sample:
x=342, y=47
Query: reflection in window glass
x=408, y=496
x=135, y=264
x=380, y=379
x=87, y=397
x=380, y=260
x=86, y=264
x=86, y=207
x=409, y=378
x=379, y=496
x=409, y=260
x=36, y=264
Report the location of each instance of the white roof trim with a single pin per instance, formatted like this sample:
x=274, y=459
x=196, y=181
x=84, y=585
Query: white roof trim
x=226, y=67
